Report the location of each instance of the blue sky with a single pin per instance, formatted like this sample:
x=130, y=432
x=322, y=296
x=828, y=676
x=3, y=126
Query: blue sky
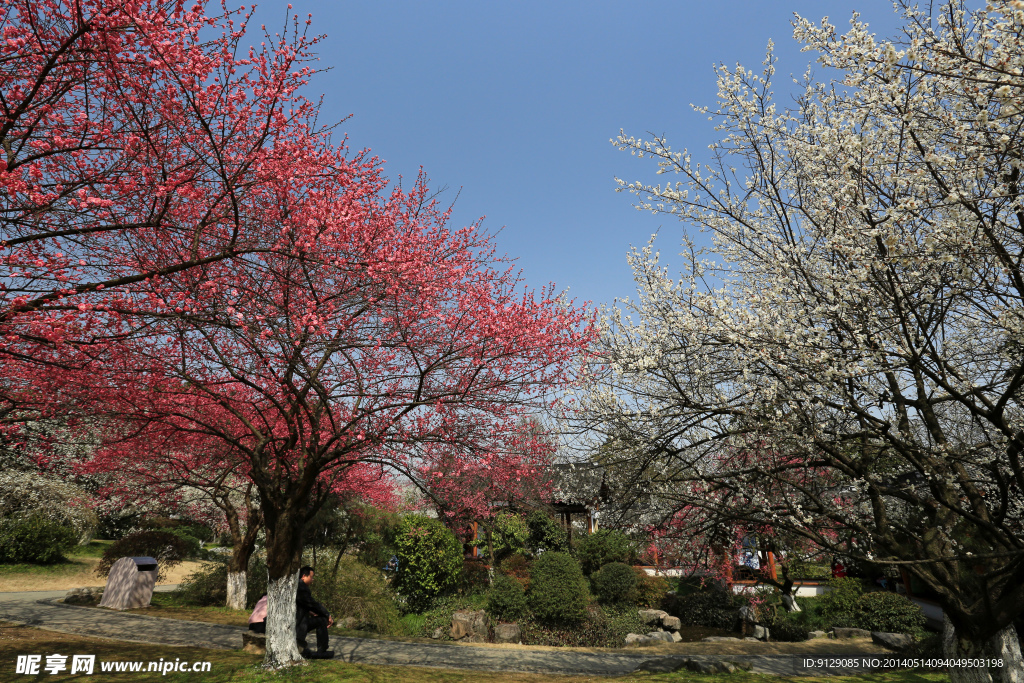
x=512, y=104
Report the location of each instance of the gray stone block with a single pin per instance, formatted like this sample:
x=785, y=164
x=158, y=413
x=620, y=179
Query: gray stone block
x=652, y=616
x=671, y=623
x=893, y=641
x=844, y=633
x=508, y=633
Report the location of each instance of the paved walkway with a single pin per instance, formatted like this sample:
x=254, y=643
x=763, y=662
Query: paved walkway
x=41, y=609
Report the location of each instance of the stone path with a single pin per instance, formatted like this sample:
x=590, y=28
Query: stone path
x=41, y=609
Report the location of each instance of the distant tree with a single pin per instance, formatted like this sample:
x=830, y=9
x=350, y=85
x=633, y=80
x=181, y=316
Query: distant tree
x=848, y=370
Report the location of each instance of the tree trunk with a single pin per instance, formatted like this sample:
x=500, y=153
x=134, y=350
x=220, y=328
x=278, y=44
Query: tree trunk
x=284, y=529
x=282, y=650
x=236, y=590
x=1002, y=646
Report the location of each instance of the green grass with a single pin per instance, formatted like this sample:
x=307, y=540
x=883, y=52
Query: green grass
x=238, y=667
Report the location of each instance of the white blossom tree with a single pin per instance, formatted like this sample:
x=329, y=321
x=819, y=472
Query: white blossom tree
x=844, y=363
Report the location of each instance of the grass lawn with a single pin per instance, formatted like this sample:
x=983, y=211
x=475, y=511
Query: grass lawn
x=239, y=667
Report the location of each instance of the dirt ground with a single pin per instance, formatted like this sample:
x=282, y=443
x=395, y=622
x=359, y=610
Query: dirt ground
x=80, y=574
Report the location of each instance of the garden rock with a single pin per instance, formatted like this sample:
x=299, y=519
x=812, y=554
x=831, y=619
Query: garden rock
x=254, y=643
x=851, y=633
x=817, y=634
x=507, y=633
x=761, y=633
x=83, y=596
x=638, y=639
x=676, y=638
x=470, y=626
x=652, y=616
x=671, y=623
x=719, y=639
x=438, y=633
x=663, y=636
x=893, y=641
x=748, y=615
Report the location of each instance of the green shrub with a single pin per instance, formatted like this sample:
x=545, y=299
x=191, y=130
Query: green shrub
x=709, y=607
x=357, y=591
x=558, y=591
x=888, y=612
x=168, y=550
x=206, y=586
x=506, y=601
x=622, y=620
x=839, y=605
x=787, y=631
x=602, y=547
x=545, y=533
x=193, y=548
x=650, y=590
x=374, y=532
x=35, y=539
x=614, y=583
x=429, y=561
x=510, y=535
x=590, y=631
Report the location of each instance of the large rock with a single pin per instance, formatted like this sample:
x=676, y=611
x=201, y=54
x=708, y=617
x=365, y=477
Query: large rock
x=83, y=596
x=816, y=634
x=748, y=615
x=671, y=623
x=652, y=616
x=761, y=633
x=637, y=639
x=719, y=639
x=851, y=633
x=663, y=636
x=470, y=626
x=508, y=633
x=893, y=641
x=676, y=638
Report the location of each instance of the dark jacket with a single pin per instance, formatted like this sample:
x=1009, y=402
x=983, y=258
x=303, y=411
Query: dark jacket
x=304, y=603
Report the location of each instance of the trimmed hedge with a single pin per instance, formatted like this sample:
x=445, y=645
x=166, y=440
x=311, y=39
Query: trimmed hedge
x=558, y=592
x=714, y=608
x=889, y=612
x=839, y=605
x=650, y=591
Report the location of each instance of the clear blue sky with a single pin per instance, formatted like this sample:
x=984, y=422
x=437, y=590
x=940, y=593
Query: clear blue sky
x=512, y=104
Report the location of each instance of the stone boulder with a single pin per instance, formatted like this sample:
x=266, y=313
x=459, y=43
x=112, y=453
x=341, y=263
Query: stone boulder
x=470, y=626
x=508, y=633
x=748, y=615
x=663, y=636
x=438, y=633
x=844, y=633
x=652, y=616
x=761, y=633
x=893, y=641
x=89, y=597
x=671, y=623
x=816, y=634
x=719, y=639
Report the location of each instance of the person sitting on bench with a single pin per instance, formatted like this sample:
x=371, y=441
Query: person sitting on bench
x=258, y=618
x=310, y=615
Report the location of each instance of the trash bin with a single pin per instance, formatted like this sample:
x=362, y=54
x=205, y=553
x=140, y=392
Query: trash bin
x=130, y=583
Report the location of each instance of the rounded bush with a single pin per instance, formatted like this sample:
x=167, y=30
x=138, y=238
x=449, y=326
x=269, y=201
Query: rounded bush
x=602, y=547
x=558, y=591
x=614, y=583
x=888, y=612
x=167, y=548
x=35, y=539
x=506, y=601
x=429, y=560
x=786, y=631
x=839, y=605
